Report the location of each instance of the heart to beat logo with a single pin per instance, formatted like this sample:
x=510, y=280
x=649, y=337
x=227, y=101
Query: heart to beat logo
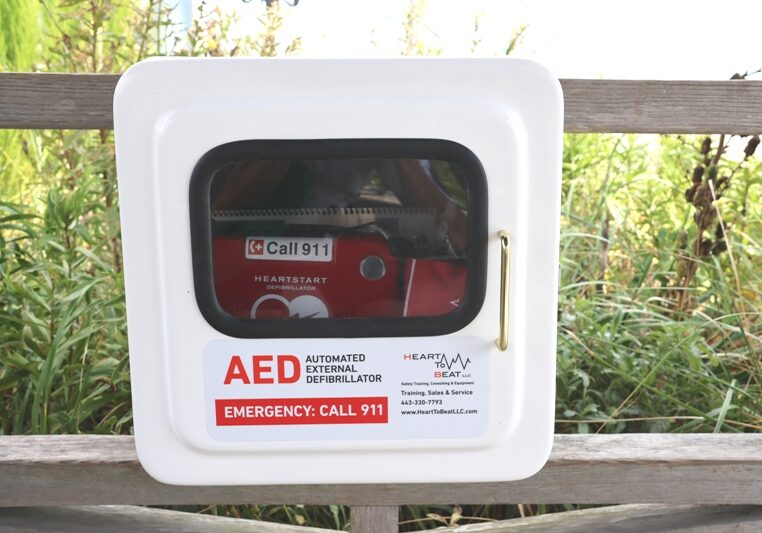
x=276, y=306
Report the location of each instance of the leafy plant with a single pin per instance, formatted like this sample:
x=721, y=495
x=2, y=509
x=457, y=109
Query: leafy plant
x=61, y=319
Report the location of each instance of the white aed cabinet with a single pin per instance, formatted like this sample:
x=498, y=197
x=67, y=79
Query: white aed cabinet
x=340, y=271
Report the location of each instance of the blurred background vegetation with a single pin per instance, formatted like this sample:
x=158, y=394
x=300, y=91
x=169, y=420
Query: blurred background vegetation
x=661, y=285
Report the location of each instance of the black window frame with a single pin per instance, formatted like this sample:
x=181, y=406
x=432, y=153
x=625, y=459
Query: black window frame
x=201, y=237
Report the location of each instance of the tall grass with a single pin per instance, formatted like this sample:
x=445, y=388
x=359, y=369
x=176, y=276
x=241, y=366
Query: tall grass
x=629, y=359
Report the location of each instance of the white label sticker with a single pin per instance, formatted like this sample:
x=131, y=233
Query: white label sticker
x=290, y=249
x=356, y=389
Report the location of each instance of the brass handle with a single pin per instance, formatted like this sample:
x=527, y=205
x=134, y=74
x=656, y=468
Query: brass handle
x=505, y=288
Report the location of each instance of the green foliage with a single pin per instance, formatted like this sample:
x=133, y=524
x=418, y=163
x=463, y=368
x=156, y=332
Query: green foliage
x=20, y=31
x=103, y=35
x=629, y=358
x=20, y=34
x=62, y=328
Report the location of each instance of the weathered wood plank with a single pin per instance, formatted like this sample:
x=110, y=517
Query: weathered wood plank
x=634, y=468
x=84, y=101
x=127, y=519
x=632, y=519
x=374, y=518
x=56, y=101
x=647, y=106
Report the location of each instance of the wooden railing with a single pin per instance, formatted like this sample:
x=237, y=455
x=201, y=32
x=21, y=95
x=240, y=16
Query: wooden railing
x=708, y=482
x=83, y=101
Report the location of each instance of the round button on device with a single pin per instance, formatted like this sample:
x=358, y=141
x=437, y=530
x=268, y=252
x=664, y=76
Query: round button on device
x=372, y=268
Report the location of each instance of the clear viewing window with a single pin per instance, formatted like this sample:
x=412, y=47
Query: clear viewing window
x=338, y=238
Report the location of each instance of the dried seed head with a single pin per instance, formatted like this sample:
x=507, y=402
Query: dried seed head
x=706, y=217
x=706, y=247
x=703, y=196
x=706, y=145
x=698, y=173
x=751, y=146
x=719, y=247
x=718, y=232
x=690, y=193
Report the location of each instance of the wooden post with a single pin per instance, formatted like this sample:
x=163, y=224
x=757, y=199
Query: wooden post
x=374, y=518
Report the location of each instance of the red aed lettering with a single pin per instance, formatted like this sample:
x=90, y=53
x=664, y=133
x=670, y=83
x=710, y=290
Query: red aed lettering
x=260, y=368
x=296, y=369
x=236, y=370
x=287, y=369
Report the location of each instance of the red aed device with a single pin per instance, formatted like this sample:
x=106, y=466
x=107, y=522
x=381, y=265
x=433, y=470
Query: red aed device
x=334, y=263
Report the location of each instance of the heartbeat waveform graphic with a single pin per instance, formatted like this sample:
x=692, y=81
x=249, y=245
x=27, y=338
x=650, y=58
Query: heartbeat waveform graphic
x=451, y=361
